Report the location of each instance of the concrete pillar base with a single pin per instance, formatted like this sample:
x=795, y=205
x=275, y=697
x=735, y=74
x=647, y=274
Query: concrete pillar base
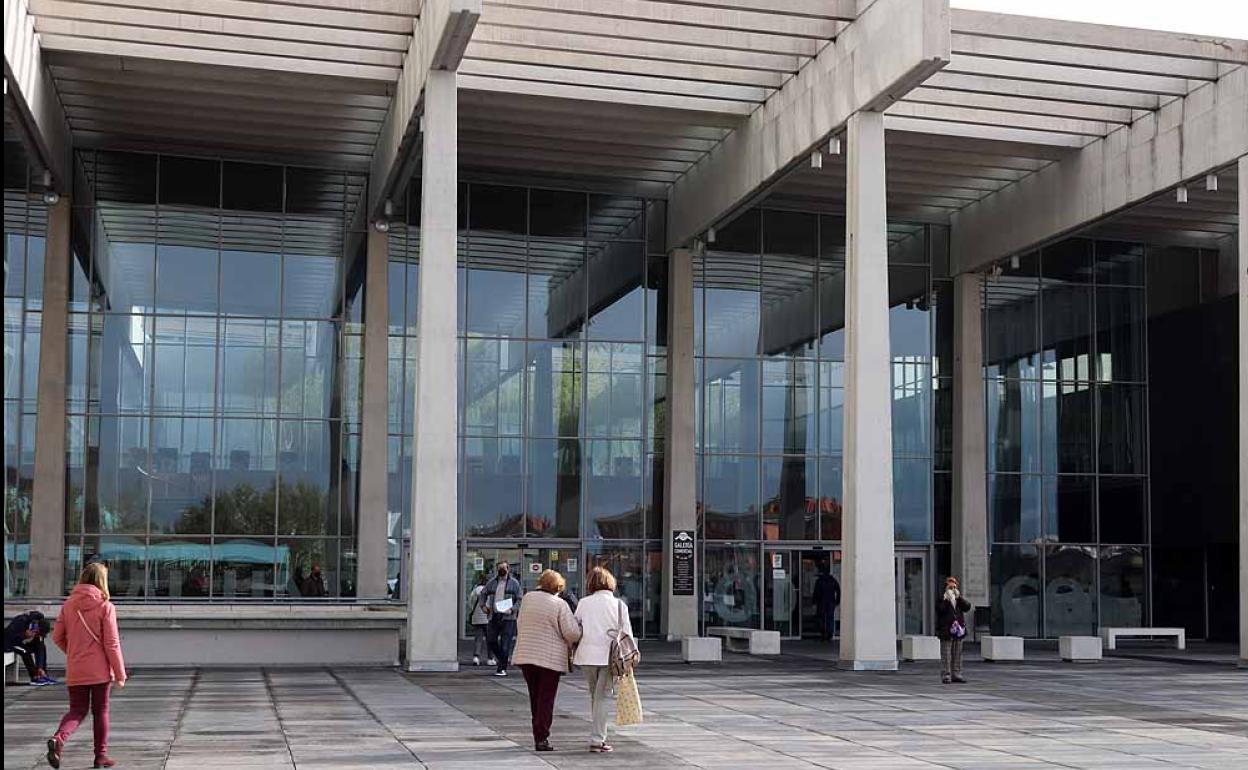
x=867, y=665
x=433, y=666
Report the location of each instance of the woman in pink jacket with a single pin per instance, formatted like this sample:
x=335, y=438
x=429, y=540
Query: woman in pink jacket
x=87, y=631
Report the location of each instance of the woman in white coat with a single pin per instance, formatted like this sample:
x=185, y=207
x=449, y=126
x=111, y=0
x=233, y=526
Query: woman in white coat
x=600, y=612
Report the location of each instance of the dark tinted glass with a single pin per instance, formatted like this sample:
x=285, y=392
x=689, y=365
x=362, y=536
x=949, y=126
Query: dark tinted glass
x=556, y=288
x=732, y=296
x=498, y=209
x=616, y=298
x=556, y=214
x=656, y=302
x=1066, y=434
x=942, y=506
x=831, y=239
x=1066, y=332
x=1014, y=502
x=310, y=191
x=182, y=458
x=1120, y=334
x=912, y=500
x=1124, y=587
x=907, y=244
x=731, y=396
x=615, y=218
x=1015, y=590
x=1070, y=591
x=942, y=341
x=1068, y=509
x=1011, y=327
x=788, y=409
x=495, y=292
x=1069, y=260
x=789, y=301
x=831, y=311
x=790, y=233
x=186, y=262
x=942, y=408
x=730, y=497
x=554, y=480
x=656, y=228
x=1014, y=421
x=613, y=491
x=554, y=388
x=741, y=235
x=189, y=181
x=1119, y=263
x=125, y=177
x=252, y=187
x=1123, y=509
x=493, y=487
x=831, y=481
x=1122, y=410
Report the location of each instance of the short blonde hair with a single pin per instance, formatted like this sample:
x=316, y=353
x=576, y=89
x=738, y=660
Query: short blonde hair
x=600, y=579
x=96, y=574
x=551, y=582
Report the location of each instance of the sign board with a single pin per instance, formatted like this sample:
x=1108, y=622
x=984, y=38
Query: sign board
x=683, y=548
x=478, y=563
x=535, y=567
x=777, y=574
x=777, y=560
x=571, y=564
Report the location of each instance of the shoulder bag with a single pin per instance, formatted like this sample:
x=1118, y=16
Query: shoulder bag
x=623, y=654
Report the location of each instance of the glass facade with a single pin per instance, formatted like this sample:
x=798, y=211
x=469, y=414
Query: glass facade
x=1066, y=385
x=770, y=356
x=25, y=230
x=560, y=381
x=214, y=375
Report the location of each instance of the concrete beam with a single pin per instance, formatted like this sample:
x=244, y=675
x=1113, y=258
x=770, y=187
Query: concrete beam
x=889, y=49
x=1243, y=410
x=1184, y=139
x=29, y=86
x=439, y=39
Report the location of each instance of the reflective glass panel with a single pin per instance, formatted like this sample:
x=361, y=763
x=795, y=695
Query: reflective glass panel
x=494, y=382
x=613, y=384
x=556, y=290
x=179, y=567
x=496, y=286
x=1011, y=327
x=616, y=297
x=1066, y=430
x=554, y=371
x=730, y=497
x=789, y=414
x=1068, y=509
x=731, y=405
x=831, y=481
x=493, y=487
x=1122, y=413
x=120, y=462
x=731, y=585
x=245, y=465
x=186, y=262
x=1015, y=508
x=251, y=265
x=1014, y=421
x=1015, y=590
x=1066, y=332
x=790, y=489
x=1119, y=263
x=243, y=567
x=1070, y=591
x=912, y=500
x=1120, y=335
x=309, y=459
x=1124, y=587
x=613, y=492
x=912, y=409
x=831, y=407
x=182, y=475
x=249, y=367
x=1123, y=506
x=554, y=495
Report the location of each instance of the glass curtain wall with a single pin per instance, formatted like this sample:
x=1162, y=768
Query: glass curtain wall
x=213, y=388
x=25, y=231
x=1066, y=392
x=562, y=344
x=770, y=349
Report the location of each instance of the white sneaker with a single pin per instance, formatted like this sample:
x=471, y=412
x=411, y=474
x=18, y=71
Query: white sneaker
x=476, y=661
x=491, y=662
x=500, y=673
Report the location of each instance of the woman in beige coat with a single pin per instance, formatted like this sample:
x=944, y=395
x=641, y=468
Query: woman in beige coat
x=545, y=634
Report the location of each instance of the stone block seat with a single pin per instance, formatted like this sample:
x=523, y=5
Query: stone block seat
x=701, y=649
x=1001, y=648
x=920, y=648
x=750, y=640
x=1080, y=649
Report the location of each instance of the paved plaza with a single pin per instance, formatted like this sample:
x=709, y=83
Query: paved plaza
x=797, y=711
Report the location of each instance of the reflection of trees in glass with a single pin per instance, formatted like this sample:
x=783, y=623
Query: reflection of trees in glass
x=245, y=509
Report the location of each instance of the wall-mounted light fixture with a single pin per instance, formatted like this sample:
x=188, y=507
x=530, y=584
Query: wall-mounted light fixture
x=816, y=159
x=1180, y=194
x=1211, y=182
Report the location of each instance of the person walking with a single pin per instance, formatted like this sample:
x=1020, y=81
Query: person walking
x=86, y=630
x=827, y=596
x=502, y=604
x=478, y=619
x=24, y=636
x=546, y=632
x=951, y=630
x=601, y=615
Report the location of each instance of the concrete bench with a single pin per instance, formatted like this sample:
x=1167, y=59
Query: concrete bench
x=701, y=649
x=920, y=648
x=1001, y=648
x=750, y=640
x=1080, y=649
x=1110, y=635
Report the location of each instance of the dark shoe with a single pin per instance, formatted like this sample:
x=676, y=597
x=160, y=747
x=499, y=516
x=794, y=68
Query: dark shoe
x=54, y=752
x=103, y=762
x=544, y=746
x=945, y=680
x=959, y=680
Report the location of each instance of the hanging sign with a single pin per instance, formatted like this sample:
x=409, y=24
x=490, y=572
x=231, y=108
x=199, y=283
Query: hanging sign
x=535, y=567
x=683, y=546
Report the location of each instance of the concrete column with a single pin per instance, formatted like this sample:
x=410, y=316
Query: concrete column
x=680, y=613
x=47, y=523
x=970, y=498
x=433, y=587
x=868, y=622
x=1243, y=411
x=374, y=504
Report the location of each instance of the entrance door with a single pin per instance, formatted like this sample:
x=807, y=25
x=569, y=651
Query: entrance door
x=781, y=593
x=526, y=565
x=911, y=582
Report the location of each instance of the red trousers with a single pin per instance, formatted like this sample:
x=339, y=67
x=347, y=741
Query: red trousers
x=83, y=698
x=543, y=686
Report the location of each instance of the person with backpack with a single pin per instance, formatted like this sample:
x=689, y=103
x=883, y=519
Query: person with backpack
x=86, y=630
x=604, y=623
x=478, y=619
x=547, y=630
x=502, y=604
x=24, y=637
x=951, y=630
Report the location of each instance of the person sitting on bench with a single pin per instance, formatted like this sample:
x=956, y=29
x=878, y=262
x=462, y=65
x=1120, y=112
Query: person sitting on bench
x=24, y=636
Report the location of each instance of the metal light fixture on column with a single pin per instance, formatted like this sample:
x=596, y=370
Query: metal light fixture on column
x=834, y=146
x=1180, y=194
x=50, y=196
x=816, y=159
x=1211, y=182
x=710, y=235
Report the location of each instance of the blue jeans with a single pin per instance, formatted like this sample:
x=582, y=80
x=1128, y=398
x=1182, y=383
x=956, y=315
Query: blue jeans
x=502, y=638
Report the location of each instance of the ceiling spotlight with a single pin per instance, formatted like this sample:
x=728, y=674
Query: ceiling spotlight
x=834, y=146
x=389, y=208
x=816, y=159
x=710, y=235
x=381, y=226
x=1180, y=194
x=1211, y=182
x=1015, y=262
